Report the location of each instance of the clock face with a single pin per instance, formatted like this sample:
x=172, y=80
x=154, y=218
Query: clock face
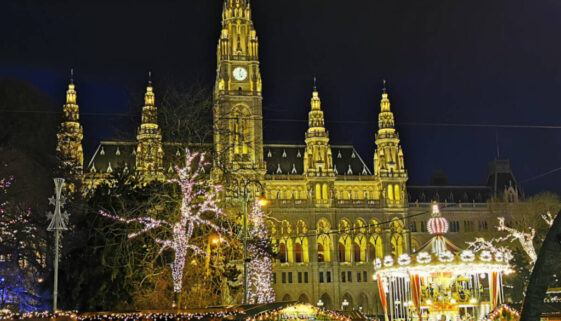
x=240, y=73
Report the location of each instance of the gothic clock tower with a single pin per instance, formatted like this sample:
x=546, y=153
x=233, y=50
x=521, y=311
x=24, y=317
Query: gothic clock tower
x=238, y=119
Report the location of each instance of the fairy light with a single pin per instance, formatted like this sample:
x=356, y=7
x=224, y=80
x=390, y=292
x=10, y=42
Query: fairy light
x=525, y=239
x=260, y=278
x=548, y=218
x=199, y=197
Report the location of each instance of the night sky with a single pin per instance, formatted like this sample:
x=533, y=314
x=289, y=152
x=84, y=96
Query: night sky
x=447, y=62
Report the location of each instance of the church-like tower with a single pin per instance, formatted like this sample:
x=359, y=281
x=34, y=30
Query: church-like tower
x=389, y=168
x=238, y=129
x=69, y=138
x=149, y=152
x=318, y=161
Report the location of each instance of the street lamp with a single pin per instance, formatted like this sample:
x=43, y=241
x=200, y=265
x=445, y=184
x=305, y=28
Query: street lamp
x=57, y=224
x=320, y=303
x=262, y=202
x=344, y=304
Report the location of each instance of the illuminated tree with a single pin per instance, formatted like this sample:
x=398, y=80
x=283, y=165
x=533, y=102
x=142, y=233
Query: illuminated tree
x=198, y=199
x=21, y=261
x=260, y=269
x=526, y=239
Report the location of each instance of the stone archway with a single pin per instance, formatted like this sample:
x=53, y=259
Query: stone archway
x=303, y=298
x=363, y=304
x=286, y=298
x=350, y=304
x=327, y=303
x=542, y=273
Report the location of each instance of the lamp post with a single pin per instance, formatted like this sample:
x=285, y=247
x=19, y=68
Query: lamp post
x=57, y=224
x=344, y=304
x=244, y=209
x=320, y=303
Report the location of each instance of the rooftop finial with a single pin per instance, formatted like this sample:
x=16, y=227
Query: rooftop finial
x=72, y=76
x=150, y=78
x=315, y=88
x=384, y=86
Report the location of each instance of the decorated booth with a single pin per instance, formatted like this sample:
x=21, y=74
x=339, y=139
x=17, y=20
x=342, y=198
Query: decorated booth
x=441, y=282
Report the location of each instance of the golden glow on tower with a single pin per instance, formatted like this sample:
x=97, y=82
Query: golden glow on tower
x=69, y=138
x=149, y=153
x=389, y=167
x=318, y=160
x=238, y=129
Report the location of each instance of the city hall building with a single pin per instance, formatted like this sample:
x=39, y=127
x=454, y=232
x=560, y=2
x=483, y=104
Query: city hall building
x=332, y=211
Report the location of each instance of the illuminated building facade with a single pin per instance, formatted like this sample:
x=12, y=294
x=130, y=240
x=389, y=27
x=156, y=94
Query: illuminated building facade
x=332, y=212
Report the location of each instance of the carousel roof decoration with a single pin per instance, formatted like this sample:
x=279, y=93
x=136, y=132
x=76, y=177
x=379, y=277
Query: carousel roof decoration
x=441, y=281
x=437, y=226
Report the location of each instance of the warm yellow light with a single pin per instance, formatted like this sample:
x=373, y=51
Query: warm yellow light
x=262, y=201
x=215, y=239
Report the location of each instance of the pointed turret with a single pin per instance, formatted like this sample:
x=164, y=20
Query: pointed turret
x=69, y=138
x=389, y=167
x=149, y=152
x=318, y=161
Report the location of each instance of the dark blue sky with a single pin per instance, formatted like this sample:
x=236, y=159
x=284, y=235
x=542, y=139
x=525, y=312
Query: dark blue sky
x=469, y=62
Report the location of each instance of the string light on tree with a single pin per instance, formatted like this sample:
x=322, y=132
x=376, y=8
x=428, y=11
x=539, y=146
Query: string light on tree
x=260, y=287
x=525, y=239
x=199, y=197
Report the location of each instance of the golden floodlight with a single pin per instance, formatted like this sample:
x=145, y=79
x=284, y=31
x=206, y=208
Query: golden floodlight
x=215, y=239
x=262, y=201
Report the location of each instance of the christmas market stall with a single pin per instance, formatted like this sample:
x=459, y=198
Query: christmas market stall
x=441, y=282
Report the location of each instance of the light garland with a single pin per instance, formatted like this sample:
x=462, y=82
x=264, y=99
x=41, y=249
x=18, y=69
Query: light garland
x=388, y=261
x=321, y=313
x=486, y=256
x=446, y=256
x=499, y=311
x=404, y=259
x=467, y=256
x=424, y=258
x=229, y=313
x=199, y=197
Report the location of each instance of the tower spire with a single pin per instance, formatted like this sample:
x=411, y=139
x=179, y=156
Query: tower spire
x=389, y=167
x=69, y=137
x=317, y=160
x=149, y=153
x=149, y=98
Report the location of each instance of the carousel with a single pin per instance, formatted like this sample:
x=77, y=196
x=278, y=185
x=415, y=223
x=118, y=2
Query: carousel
x=441, y=282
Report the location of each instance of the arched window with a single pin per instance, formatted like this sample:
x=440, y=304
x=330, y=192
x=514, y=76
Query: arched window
x=390, y=192
x=344, y=248
x=341, y=252
x=324, y=192
x=397, y=193
x=321, y=258
x=375, y=248
x=318, y=192
x=298, y=253
x=371, y=252
x=283, y=253
x=397, y=245
x=356, y=250
x=324, y=249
